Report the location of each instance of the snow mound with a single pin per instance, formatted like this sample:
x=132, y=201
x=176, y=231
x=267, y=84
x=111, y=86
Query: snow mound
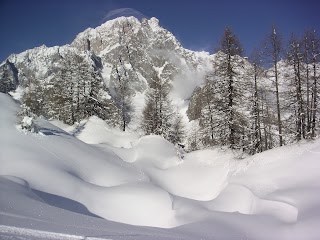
x=97, y=131
x=237, y=198
x=136, y=204
x=143, y=181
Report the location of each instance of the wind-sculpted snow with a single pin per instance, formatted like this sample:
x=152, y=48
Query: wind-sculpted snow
x=96, y=131
x=206, y=194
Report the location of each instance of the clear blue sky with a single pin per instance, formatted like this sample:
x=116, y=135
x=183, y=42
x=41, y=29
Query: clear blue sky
x=198, y=24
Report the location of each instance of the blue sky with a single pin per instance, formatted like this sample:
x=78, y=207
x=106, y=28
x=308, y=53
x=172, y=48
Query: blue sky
x=198, y=24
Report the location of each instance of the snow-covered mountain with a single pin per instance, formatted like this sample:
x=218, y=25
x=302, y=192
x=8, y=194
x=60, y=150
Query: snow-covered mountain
x=138, y=51
x=142, y=48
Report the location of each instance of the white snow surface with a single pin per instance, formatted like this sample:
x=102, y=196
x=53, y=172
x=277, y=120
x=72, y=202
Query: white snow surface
x=89, y=181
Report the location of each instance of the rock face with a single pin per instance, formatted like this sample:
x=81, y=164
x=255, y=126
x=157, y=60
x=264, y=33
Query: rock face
x=140, y=49
x=9, y=77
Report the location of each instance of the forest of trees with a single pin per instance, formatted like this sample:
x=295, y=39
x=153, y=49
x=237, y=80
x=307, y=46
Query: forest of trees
x=74, y=92
x=272, y=102
x=250, y=104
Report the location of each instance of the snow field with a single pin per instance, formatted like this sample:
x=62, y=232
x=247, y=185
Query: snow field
x=142, y=181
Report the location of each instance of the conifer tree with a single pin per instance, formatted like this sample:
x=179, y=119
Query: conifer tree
x=315, y=53
x=255, y=73
x=33, y=98
x=210, y=120
x=123, y=95
x=273, y=53
x=306, y=48
x=295, y=60
x=229, y=90
x=158, y=116
x=177, y=130
x=5, y=82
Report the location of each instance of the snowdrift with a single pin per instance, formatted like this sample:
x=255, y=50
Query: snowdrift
x=52, y=181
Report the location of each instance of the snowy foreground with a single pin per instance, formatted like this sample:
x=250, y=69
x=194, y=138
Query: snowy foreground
x=63, y=184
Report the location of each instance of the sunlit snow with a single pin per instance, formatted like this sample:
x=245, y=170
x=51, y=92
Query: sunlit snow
x=209, y=194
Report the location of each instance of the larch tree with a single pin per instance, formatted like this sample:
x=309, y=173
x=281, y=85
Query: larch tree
x=33, y=98
x=228, y=90
x=177, y=129
x=295, y=59
x=64, y=93
x=306, y=46
x=122, y=94
x=315, y=53
x=158, y=116
x=210, y=120
x=193, y=137
x=273, y=51
x=5, y=82
x=256, y=72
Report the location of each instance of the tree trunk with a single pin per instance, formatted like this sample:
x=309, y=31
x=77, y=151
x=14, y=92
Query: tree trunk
x=230, y=105
x=308, y=86
x=258, y=137
x=278, y=103
x=314, y=107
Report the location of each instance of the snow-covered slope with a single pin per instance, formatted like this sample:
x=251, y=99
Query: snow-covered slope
x=54, y=183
